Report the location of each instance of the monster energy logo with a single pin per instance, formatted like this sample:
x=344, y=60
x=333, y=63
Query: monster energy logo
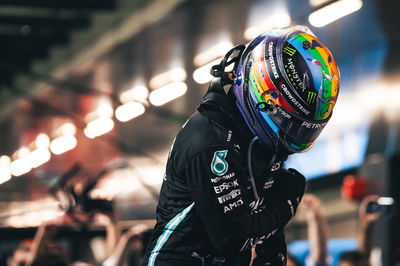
x=289, y=51
x=219, y=165
x=311, y=97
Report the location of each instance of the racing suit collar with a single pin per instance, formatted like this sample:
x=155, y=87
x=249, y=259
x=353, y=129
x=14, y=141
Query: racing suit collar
x=216, y=100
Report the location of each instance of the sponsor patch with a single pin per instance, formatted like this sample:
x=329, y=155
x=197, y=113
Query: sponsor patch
x=295, y=77
x=226, y=185
x=311, y=96
x=289, y=50
x=271, y=60
x=219, y=165
x=231, y=195
x=276, y=166
x=257, y=205
x=229, y=207
x=312, y=125
x=224, y=177
x=252, y=242
x=293, y=99
x=268, y=184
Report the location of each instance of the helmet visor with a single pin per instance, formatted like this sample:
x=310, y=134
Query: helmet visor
x=299, y=133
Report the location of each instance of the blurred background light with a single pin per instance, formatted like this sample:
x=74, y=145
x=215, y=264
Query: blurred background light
x=151, y=174
x=42, y=141
x=104, y=107
x=5, y=163
x=334, y=11
x=138, y=93
x=33, y=214
x=64, y=139
x=21, y=164
x=202, y=74
x=167, y=93
x=67, y=129
x=99, y=121
x=276, y=20
x=39, y=157
x=385, y=201
x=117, y=184
x=63, y=144
x=318, y=2
x=98, y=127
x=175, y=74
x=129, y=111
x=216, y=51
x=20, y=167
x=383, y=97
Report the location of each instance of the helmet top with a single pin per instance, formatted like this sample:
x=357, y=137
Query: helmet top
x=286, y=87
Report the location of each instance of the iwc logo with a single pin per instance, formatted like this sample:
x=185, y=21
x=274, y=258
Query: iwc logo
x=219, y=165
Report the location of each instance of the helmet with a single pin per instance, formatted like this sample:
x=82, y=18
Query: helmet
x=286, y=86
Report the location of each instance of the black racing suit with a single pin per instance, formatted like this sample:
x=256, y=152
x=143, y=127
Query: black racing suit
x=208, y=212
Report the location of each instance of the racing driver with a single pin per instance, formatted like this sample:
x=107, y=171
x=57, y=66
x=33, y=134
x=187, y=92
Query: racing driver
x=225, y=197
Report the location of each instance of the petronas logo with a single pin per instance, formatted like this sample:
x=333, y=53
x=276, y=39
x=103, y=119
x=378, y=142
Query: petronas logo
x=219, y=165
x=289, y=51
x=311, y=97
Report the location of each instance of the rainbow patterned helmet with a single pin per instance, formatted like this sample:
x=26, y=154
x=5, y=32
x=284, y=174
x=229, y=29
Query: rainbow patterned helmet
x=287, y=83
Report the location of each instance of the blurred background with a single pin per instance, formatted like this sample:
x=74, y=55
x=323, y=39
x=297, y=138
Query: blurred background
x=92, y=94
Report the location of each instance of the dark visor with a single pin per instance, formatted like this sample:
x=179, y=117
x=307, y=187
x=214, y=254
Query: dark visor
x=298, y=130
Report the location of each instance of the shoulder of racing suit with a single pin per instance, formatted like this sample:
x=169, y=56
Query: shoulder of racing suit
x=217, y=123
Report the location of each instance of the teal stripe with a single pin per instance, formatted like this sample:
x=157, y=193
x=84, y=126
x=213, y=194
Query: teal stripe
x=168, y=230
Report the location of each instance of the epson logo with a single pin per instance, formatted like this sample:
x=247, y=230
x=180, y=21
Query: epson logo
x=226, y=185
